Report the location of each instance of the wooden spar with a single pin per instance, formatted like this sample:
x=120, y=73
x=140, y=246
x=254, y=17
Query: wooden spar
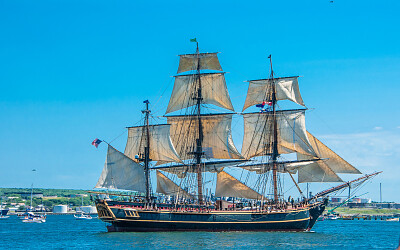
x=347, y=184
x=295, y=183
x=276, y=78
x=113, y=194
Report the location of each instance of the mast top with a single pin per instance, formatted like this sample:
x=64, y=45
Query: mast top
x=270, y=62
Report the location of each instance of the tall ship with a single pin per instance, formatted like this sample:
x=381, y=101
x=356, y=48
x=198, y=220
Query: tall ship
x=203, y=182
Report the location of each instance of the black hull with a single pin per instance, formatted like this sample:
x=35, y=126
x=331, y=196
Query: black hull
x=124, y=218
x=3, y=212
x=133, y=226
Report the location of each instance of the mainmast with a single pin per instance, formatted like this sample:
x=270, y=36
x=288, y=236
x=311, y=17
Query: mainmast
x=199, y=140
x=275, y=153
x=147, y=151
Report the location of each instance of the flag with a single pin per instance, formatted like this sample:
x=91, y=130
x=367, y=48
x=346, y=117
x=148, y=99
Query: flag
x=193, y=40
x=260, y=105
x=269, y=56
x=96, y=142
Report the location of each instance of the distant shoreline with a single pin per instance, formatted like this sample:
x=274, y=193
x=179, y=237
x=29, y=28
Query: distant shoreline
x=364, y=211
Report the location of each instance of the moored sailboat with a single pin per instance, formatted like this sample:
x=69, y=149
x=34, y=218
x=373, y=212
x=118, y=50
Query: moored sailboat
x=193, y=153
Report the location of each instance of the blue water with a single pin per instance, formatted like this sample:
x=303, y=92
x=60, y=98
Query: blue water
x=63, y=231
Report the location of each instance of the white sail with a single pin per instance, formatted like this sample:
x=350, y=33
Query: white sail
x=334, y=161
x=213, y=91
x=207, y=61
x=161, y=147
x=168, y=187
x=121, y=172
x=229, y=186
x=258, y=133
x=261, y=90
x=217, y=138
x=317, y=171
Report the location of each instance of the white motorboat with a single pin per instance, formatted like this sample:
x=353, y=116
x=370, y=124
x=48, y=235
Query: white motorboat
x=83, y=216
x=34, y=218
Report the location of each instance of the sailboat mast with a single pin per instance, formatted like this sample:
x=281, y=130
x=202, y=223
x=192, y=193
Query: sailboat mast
x=147, y=152
x=275, y=139
x=31, y=197
x=199, y=141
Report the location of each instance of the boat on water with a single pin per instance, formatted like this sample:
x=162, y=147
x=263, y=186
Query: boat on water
x=332, y=217
x=34, y=218
x=3, y=210
x=29, y=216
x=393, y=219
x=197, y=164
x=83, y=216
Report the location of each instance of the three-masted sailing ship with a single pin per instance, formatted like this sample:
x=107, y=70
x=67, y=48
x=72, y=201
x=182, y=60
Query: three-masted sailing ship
x=193, y=153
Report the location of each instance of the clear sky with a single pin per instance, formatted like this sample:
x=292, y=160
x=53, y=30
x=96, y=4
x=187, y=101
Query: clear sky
x=71, y=71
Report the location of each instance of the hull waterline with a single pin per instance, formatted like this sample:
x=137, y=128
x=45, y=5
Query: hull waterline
x=126, y=218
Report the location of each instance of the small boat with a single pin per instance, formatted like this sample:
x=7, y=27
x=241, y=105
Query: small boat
x=4, y=217
x=392, y=219
x=3, y=210
x=30, y=217
x=332, y=217
x=83, y=217
x=321, y=218
x=34, y=218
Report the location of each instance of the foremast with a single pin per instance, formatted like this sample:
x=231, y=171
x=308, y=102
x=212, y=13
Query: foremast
x=199, y=141
x=147, y=152
x=271, y=133
x=275, y=153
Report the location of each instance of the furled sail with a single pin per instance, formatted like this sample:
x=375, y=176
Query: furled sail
x=334, y=161
x=217, y=138
x=286, y=88
x=263, y=168
x=211, y=166
x=168, y=187
x=161, y=148
x=282, y=167
x=213, y=91
x=121, y=172
x=207, y=61
x=292, y=136
x=229, y=186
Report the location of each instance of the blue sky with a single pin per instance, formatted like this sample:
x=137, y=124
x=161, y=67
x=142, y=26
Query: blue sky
x=71, y=71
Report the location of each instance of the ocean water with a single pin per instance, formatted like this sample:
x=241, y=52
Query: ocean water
x=64, y=232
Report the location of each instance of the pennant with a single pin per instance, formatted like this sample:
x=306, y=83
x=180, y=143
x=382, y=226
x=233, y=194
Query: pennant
x=194, y=40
